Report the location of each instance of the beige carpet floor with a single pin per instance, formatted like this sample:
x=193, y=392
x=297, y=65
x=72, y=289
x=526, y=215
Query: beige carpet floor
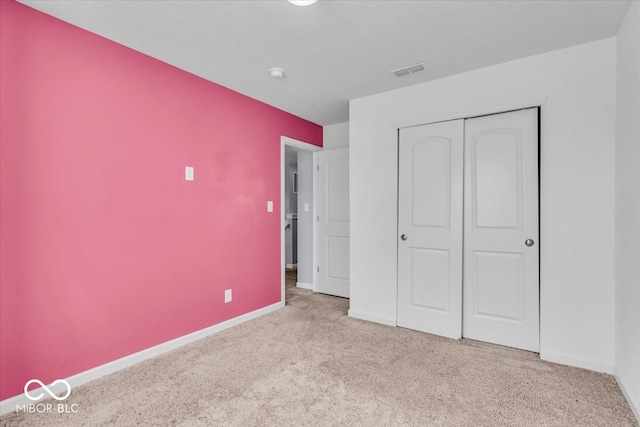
x=309, y=364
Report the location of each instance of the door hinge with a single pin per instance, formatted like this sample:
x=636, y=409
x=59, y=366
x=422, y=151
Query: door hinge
x=318, y=269
x=318, y=218
x=317, y=167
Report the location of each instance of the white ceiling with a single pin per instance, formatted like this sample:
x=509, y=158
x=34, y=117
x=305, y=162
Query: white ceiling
x=337, y=50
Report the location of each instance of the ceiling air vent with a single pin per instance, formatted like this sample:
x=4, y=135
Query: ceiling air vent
x=401, y=72
x=408, y=70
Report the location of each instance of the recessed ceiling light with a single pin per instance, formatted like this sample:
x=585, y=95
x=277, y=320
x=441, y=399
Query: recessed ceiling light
x=302, y=2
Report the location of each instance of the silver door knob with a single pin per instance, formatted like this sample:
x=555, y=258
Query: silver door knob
x=403, y=237
x=529, y=242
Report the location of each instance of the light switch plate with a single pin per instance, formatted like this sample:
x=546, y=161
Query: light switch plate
x=305, y=207
x=188, y=173
x=269, y=206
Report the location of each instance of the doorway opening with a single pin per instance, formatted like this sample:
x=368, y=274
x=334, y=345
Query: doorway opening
x=297, y=204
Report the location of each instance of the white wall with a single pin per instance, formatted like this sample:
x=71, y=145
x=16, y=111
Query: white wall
x=627, y=241
x=305, y=219
x=335, y=136
x=577, y=189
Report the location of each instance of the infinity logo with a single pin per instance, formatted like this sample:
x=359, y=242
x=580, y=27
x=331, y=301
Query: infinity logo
x=51, y=393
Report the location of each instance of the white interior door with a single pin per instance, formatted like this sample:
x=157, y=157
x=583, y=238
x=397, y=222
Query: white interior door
x=333, y=222
x=430, y=228
x=501, y=273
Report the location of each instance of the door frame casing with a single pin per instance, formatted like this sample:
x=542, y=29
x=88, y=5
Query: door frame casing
x=427, y=120
x=286, y=141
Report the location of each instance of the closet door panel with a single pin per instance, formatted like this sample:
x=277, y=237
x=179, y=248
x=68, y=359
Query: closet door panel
x=430, y=228
x=501, y=257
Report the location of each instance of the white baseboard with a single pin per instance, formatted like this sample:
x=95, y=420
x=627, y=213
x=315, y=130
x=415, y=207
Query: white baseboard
x=634, y=403
x=576, y=362
x=9, y=405
x=372, y=318
x=305, y=285
x=292, y=266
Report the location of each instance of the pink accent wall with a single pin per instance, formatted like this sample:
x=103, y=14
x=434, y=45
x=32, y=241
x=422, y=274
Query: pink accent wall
x=105, y=249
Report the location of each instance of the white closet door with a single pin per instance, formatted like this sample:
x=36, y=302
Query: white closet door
x=333, y=222
x=501, y=257
x=430, y=228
